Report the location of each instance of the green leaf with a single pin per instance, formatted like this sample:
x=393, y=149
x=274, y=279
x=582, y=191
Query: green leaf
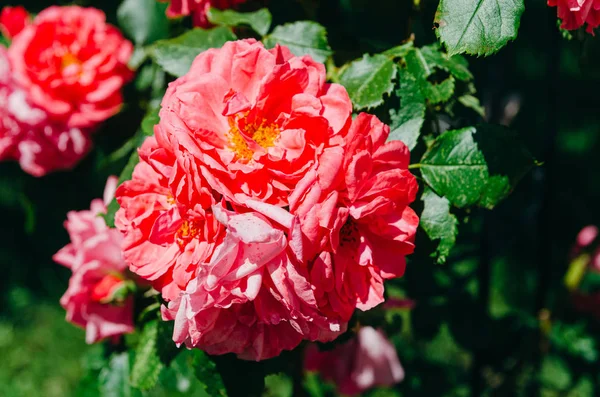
x=455, y=65
x=475, y=166
x=114, y=379
x=207, y=373
x=278, y=385
x=439, y=223
x=147, y=365
x=144, y=21
x=302, y=38
x=407, y=122
x=399, y=51
x=555, y=373
x=368, y=80
x=176, y=55
x=421, y=69
x=478, y=27
x=472, y=102
x=574, y=340
x=259, y=20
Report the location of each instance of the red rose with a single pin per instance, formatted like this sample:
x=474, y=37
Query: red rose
x=73, y=64
x=13, y=20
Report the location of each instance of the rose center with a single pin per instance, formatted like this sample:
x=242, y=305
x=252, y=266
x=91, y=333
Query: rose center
x=244, y=136
x=187, y=231
x=349, y=233
x=68, y=60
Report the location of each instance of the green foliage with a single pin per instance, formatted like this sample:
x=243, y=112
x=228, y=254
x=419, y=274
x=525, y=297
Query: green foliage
x=176, y=55
x=407, y=122
x=259, y=21
x=147, y=364
x=302, y=38
x=207, y=373
x=368, y=80
x=144, y=21
x=278, y=385
x=475, y=166
x=439, y=223
x=478, y=27
x=114, y=377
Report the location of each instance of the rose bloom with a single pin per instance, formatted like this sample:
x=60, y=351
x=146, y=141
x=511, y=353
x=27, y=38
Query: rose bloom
x=364, y=227
x=254, y=298
x=260, y=210
x=256, y=120
x=198, y=9
x=166, y=220
x=97, y=298
x=73, y=64
x=28, y=136
x=575, y=13
x=366, y=361
x=13, y=20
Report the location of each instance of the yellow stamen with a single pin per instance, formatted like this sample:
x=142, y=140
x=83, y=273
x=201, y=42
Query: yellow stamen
x=260, y=132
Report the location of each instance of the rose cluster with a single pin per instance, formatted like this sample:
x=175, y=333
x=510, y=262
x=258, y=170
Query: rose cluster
x=98, y=297
x=261, y=210
x=198, y=9
x=60, y=77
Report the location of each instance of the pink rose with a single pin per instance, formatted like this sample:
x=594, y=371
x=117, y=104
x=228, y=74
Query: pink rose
x=253, y=299
x=73, y=64
x=575, y=13
x=13, y=20
x=198, y=9
x=29, y=136
x=367, y=361
x=365, y=226
x=166, y=220
x=97, y=298
x=256, y=120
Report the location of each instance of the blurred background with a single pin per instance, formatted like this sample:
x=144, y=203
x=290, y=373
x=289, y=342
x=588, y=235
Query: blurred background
x=495, y=320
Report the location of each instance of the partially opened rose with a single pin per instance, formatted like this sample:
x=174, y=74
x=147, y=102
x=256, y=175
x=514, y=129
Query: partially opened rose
x=575, y=13
x=27, y=135
x=72, y=64
x=368, y=360
x=13, y=20
x=98, y=298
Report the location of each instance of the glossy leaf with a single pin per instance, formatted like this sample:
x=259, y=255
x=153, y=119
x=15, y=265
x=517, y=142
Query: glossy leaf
x=302, y=38
x=455, y=65
x=176, y=55
x=478, y=27
x=114, y=378
x=207, y=373
x=147, y=365
x=439, y=223
x=475, y=166
x=143, y=20
x=368, y=80
x=419, y=66
x=407, y=122
x=259, y=21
